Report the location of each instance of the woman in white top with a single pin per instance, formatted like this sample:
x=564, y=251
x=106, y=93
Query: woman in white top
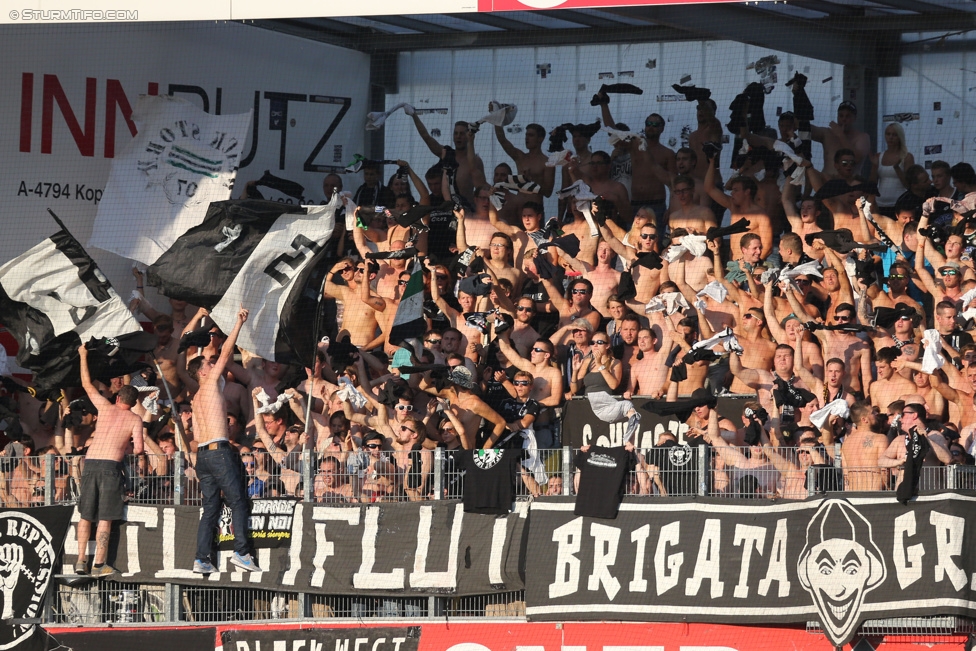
x=888, y=168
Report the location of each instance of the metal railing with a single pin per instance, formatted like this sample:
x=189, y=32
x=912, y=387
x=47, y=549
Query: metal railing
x=680, y=471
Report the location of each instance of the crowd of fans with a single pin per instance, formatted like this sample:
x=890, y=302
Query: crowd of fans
x=839, y=297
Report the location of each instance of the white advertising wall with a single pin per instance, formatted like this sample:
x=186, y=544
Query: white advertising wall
x=69, y=89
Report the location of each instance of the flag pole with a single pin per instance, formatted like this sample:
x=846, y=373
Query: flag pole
x=172, y=407
x=59, y=222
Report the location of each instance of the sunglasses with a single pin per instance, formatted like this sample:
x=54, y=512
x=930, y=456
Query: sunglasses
x=403, y=283
x=522, y=308
x=498, y=246
x=404, y=407
x=651, y=123
x=949, y=272
x=846, y=163
x=599, y=343
x=747, y=315
x=433, y=341
x=359, y=270
x=543, y=350
x=249, y=464
x=896, y=277
x=346, y=270
x=648, y=236
x=404, y=428
x=841, y=318
x=441, y=277
x=581, y=291
x=374, y=446
x=803, y=452
x=521, y=383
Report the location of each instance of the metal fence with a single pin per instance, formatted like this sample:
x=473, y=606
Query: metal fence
x=680, y=471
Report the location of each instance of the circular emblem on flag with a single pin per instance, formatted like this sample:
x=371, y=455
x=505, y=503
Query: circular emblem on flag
x=180, y=159
x=486, y=459
x=26, y=564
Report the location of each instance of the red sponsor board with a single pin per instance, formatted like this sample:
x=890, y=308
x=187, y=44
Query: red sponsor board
x=529, y=5
x=520, y=636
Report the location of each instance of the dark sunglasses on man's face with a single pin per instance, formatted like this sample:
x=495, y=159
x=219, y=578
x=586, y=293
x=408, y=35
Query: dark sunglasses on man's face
x=648, y=236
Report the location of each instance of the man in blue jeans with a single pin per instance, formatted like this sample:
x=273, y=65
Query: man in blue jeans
x=218, y=465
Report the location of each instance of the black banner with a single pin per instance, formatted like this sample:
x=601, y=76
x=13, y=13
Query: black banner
x=839, y=561
x=580, y=426
x=402, y=638
x=195, y=638
x=400, y=549
x=30, y=542
x=268, y=526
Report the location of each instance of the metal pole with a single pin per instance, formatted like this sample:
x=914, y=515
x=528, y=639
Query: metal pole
x=438, y=473
x=178, y=486
x=567, y=472
x=307, y=474
x=173, y=414
x=703, y=468
x=49, y=479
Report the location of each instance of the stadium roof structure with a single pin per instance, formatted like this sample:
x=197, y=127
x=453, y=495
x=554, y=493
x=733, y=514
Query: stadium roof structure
x=869, y=33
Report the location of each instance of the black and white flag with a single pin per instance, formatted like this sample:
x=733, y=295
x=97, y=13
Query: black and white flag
x=52, y=298
x=258, y=254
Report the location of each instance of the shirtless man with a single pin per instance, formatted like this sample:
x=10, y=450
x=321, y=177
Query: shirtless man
x=844, y=206
x=466, y=173
x=523, y=336
x=803, y=222
x=789, y=330
x=476, y=229
x=709, y=130
x=842, y=135
x=165, y=353
x=890, y=385
x=763, y=380
x=547, y=383
x=469, y=409
x=218, y=464
x=646, y=280
x=102, y=481
x=531, y=164
x=862, y=448
x=357, y=319
x=912, y=418
x=529, y=236
x=685, y=212
x=604, y=278
x=648, y=374
x=576, y=305
x=500, y=259
x=646, y=187
x=759, y=351
x=598, y=178
x=847, y=346
x=742, y=205
x=950, y=275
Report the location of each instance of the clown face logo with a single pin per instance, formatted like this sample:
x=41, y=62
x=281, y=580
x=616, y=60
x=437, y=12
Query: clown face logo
x=839, y=564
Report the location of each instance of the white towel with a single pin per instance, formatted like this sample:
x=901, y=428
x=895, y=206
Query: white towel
x=966, y=204
x=668, y=302
x=931, y=359
x=351, y=208
x=376, y=119
x=267, y=405
x=967, y=298
x=533, y=462
x=231, y=233
x=583, y=196
x=559, y=158
x=725, y=337
x=499, y=115
x=617, y=136
x=693, y=244
x=787, y=151
x=838, y=407
x=715, y=290
x=348, y=393
x=805, y=269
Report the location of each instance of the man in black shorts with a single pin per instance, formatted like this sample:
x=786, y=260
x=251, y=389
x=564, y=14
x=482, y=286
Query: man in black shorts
x=102, y=483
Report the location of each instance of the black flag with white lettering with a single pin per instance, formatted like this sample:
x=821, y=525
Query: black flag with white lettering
x=52, y=298
x=32, y=542
x=259, y=254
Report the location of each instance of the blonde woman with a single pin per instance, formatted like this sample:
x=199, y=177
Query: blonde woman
x=888, y=168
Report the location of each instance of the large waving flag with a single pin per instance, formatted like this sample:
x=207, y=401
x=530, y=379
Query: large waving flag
x=259, y=254
x=52, y=298
x=162, y=184
x=409, y=320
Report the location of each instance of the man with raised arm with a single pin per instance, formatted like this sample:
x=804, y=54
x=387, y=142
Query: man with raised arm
x=102, y=483
x=467, y=173
x=218, y=465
